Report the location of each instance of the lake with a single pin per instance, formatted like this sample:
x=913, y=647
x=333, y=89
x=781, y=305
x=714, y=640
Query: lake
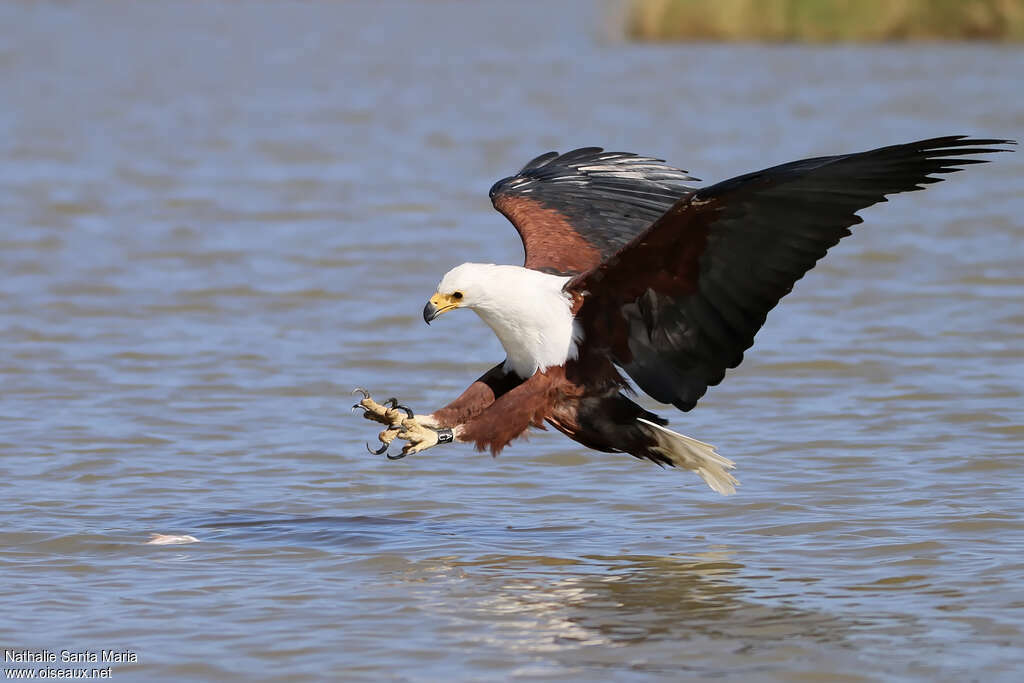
x=219, y=218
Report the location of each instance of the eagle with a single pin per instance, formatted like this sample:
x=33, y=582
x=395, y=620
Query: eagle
x=634, y=278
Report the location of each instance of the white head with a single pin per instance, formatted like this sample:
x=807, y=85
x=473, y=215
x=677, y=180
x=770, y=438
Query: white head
x=465, y=286
x=527, y=310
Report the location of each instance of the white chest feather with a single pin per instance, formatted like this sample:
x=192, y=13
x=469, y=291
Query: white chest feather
x=531, y=316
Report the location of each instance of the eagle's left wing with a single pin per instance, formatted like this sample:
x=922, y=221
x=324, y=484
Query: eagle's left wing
x=680, y=304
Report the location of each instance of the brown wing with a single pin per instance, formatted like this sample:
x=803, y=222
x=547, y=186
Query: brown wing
x=576, y=209
x=681, y=303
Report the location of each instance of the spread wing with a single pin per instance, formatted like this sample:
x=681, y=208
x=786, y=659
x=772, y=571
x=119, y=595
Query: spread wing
x=680, y=304
x=576, y=209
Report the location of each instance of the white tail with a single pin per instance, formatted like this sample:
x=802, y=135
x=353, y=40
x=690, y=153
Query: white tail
x=696, y=456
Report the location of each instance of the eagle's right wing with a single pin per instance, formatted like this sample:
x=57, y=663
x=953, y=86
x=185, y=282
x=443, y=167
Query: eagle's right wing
x=576, y=209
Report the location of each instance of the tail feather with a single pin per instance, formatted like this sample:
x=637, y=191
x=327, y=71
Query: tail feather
x=689, y=453
x=614, y=424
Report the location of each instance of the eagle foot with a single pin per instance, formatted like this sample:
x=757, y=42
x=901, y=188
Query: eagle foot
x=420, y=438
x=400, y=423
x=389, y=413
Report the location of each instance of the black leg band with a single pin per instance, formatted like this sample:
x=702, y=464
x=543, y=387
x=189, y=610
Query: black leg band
x=445, y=435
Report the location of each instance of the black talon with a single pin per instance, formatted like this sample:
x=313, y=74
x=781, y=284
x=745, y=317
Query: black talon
x=380, y=450
x=394, y=404
x=360, y=390
x=396, y=457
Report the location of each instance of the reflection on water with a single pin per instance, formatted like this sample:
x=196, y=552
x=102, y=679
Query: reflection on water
x=653, y=614
x=601, y=601
x=218, y=219
x=610, y=600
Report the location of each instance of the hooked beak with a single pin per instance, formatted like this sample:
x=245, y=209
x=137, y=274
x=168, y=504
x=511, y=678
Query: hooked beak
x=438, y=304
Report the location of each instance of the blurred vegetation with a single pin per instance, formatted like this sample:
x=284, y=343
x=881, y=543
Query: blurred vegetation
x=822, y=21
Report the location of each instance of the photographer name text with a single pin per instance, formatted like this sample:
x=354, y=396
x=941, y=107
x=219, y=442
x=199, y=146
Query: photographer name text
x=70, y=656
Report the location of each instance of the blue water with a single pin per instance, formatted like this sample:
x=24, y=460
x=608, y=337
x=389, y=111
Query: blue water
x=219, y=218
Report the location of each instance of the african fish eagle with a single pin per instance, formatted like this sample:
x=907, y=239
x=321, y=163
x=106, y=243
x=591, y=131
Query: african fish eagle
x=632, y=272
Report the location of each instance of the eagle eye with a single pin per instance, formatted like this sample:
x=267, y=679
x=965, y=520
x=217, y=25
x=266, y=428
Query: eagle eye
x=456, y=295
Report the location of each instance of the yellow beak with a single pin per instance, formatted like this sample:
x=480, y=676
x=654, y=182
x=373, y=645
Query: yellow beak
x=438, y=304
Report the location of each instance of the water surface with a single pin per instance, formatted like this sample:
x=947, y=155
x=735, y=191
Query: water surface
x=218, y=218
